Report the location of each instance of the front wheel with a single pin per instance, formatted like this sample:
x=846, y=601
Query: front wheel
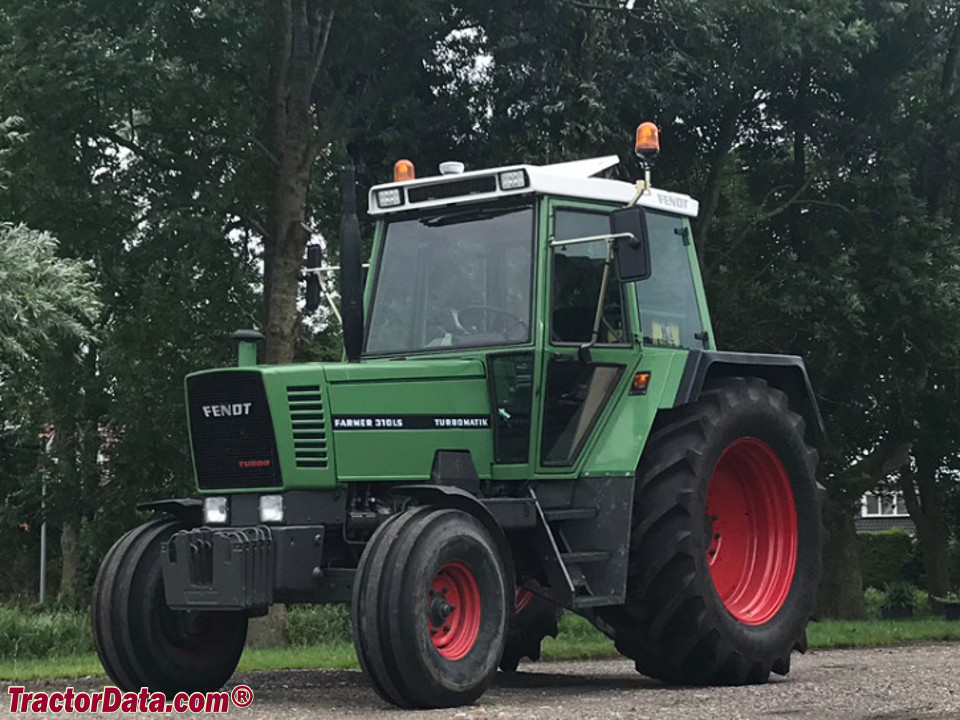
x=140, y=640
x=726, y=543
x=430, y=608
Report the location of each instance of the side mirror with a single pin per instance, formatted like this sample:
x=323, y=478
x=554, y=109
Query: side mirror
x=314, y=260
x=631, y=254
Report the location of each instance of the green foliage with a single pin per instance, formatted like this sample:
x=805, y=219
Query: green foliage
x=9, y=136
x=873, y=600
x=884, y=556
x=33, y=633
x=899, y=594
x=46, y=299
x=317, y=624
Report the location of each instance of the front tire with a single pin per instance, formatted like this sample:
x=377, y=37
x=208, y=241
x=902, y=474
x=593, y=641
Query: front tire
x=140, y=640
x=430, y=608
x=725, y=552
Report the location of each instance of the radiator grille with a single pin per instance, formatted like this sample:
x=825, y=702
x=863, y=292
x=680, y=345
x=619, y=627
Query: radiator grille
x=232, y=431
x=309, y=430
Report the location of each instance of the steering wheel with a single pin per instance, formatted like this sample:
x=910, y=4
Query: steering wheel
x=508, y=328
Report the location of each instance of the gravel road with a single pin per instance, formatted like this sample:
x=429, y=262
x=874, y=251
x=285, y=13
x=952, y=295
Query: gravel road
x=913, y=682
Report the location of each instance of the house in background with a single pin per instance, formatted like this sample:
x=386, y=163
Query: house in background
x=883, y=511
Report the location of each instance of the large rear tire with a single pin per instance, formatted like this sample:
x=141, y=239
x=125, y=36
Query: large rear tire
x=725, y=551
x=140, y=640
x=430, y=608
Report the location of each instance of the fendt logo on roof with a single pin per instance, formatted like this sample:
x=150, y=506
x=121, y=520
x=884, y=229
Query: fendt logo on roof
x=228, y=410
x=680, y=203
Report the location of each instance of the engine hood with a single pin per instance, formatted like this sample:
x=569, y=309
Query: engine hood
x=388, y=418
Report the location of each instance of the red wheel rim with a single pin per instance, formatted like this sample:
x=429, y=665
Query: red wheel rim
x=753, y=545
x=522, y=599
x=454, y=611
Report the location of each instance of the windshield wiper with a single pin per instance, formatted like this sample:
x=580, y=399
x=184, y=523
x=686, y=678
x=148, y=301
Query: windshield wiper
x=473, y=214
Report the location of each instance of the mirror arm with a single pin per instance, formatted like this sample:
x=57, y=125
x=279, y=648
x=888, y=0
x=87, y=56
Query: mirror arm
x=584, y=351
x=330, y=300
x=591, y=238
x=318, y=272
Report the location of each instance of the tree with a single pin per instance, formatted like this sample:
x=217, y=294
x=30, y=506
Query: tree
x=46, y=299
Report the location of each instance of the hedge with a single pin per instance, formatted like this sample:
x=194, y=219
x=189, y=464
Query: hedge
x=884, y=556
x=33, y=632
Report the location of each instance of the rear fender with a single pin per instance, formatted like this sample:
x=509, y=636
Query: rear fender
x=784, y=372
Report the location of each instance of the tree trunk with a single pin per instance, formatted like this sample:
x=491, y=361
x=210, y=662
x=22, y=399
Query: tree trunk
x=937, y=165
x=68, y=564
x=841, y=587
x=798, y=239
x=292, y=141
x=711, y=191
x=924, y=500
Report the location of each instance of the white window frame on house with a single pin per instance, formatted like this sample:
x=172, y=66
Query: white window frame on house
x=890, y=504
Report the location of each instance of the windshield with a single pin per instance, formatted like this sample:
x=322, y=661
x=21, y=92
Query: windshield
x=455, y=279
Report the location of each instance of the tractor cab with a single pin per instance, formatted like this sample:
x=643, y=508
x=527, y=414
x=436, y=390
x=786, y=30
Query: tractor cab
x=542, y=275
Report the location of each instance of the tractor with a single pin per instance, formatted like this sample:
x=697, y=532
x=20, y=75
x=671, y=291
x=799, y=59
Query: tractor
x=531, y=416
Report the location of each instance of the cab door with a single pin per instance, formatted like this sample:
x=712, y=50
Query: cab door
x=577, y=391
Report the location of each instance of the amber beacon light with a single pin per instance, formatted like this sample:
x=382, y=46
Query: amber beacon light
x=648, y=139
x=403, y=170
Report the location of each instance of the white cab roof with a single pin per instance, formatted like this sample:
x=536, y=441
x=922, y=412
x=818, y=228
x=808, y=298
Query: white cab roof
x=572, y=179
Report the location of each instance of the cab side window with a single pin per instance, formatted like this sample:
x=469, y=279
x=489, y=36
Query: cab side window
x=577, y=272
x=669, y=314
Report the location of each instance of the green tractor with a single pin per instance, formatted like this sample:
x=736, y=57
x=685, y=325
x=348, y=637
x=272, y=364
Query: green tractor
x=532, y=416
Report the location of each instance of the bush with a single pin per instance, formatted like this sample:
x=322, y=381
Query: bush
x=873, y=599
x=899, y=601
x=922, y=607
x=316, y=624
x=37, y=632
x=32, y=633
x=883, y=556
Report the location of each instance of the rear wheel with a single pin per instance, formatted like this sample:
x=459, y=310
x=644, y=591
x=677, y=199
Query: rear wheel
x=726, y=540
x=140, y=640
x=430, y=608
x=534, y=618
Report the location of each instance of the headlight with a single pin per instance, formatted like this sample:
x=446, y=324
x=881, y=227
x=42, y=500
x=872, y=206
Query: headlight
x=389, y=198
x=215, y=511
x=271, y=508
x=513, y=179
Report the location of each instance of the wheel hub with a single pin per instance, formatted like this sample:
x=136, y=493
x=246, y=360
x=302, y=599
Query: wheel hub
x=752, y=550
x=440, y=609
x=453, y=611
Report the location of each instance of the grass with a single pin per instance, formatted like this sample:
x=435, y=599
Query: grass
x=846, y=634
x=29, y=632
x=577, y=640
x=331, y=656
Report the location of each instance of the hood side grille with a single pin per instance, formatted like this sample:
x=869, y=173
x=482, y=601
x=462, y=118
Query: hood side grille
x=309, y=429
